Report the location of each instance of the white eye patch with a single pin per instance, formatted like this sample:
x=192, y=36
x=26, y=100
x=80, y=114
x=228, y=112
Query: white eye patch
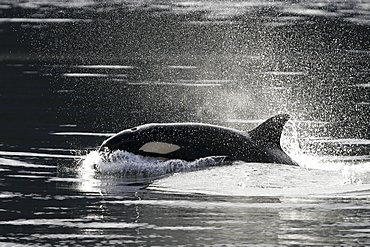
x=159, y=147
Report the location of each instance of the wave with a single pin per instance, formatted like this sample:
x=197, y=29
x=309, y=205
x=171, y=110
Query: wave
x=252, y=179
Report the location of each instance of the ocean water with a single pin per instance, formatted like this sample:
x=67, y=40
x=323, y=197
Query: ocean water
x=75, y=72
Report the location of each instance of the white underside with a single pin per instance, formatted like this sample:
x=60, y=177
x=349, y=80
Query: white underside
x=159, y=147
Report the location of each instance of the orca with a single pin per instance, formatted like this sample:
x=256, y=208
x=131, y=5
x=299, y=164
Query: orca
x=191, y=141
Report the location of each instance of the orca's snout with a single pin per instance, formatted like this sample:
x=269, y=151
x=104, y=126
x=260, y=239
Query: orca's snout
x=111, y=144
x=104, y=147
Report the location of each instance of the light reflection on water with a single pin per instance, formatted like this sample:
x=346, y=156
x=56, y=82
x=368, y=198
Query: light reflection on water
x=108, y=206
x=354, y=10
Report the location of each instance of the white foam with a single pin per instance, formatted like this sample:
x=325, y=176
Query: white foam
x=128, y=164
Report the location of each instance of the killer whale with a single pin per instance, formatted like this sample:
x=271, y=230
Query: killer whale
x=191, y=141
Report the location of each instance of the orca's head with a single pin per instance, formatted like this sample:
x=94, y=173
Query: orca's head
x=123, y=139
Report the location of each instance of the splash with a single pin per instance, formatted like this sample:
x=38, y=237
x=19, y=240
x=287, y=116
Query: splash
x=126, y=164
x=356, y=174
x=355, y=169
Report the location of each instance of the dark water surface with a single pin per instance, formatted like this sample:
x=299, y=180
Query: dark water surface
x=74, y=72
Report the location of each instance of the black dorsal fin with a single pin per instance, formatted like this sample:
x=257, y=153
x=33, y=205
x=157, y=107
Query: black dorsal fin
x=269, y=132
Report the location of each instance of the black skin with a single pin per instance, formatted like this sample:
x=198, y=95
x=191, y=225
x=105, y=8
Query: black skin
x=201, y=140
